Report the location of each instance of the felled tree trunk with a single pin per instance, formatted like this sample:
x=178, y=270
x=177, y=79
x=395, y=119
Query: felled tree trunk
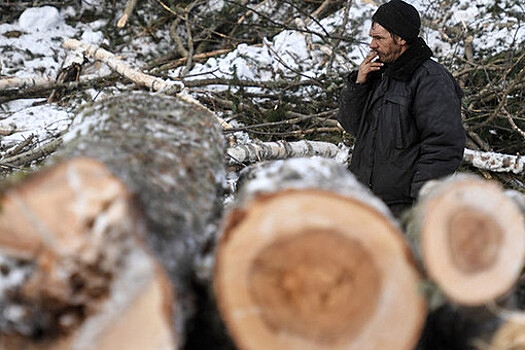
x=309, y=259
x=134, y=168
x=74, y=274
x=472, y=244
x=472, y=238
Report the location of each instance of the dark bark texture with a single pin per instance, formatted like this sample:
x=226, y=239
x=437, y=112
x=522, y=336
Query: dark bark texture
x=170, y=154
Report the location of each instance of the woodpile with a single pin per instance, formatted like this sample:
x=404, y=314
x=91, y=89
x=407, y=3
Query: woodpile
x=472, y=239
x=121, y=240
x=120, y=193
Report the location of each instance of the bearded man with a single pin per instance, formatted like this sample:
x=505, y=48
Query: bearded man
x=404, y=110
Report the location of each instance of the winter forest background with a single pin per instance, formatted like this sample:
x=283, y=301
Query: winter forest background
x=271, y=69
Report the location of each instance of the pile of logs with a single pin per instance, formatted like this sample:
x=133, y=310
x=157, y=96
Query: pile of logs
x=121, y=241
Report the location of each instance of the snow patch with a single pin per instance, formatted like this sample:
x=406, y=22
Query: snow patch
x=40, y=18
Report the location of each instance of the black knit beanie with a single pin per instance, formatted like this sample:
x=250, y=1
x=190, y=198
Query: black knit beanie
x=399, y=18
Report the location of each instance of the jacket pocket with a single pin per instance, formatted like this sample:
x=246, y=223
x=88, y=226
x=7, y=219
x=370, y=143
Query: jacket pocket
x=399, y=114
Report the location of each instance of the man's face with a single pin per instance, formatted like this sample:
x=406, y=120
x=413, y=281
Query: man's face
x=388, y=49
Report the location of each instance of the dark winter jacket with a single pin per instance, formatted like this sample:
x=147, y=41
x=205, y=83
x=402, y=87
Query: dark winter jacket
x=407, y=122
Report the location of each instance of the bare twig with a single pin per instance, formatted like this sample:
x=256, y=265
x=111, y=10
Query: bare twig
x=16, y=149
x=196, y=57
x=175, y=36
x=27, y=157
x=340, y=32
x=130, y=6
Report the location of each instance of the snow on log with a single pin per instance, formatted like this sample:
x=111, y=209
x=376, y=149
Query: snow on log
x=254, y=152
x=168, y=155
x=496, y=162
x=310, y=259
x=74, y=274
x=472, y=238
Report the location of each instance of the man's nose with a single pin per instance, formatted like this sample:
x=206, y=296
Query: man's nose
x=373, y=44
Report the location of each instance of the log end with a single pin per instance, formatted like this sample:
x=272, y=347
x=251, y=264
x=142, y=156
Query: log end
x=473, y=241
x=74, y=273
x=310, y=269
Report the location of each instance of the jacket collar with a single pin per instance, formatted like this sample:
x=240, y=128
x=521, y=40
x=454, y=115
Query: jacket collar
x=405, y=66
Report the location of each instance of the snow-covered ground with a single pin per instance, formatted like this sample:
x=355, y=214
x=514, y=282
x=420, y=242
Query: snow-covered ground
x=31, y=47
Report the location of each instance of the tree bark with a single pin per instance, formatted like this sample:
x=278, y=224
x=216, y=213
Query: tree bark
x=472, y=238
x=253, y=152
x=164, y=158
x=308, y=258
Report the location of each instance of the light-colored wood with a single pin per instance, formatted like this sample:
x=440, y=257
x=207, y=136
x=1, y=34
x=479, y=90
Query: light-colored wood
x=89, y=283
x=492, y=161
x=165, y=156
x=254, y=152
x=472, y=239
x=307, y=268
x=24, y=83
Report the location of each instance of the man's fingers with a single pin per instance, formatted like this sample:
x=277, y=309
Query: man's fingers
x=370, y=56
x=375, y=64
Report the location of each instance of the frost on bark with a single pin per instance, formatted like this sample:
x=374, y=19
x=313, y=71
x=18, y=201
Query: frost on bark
x=308, y=258
x=167, y=156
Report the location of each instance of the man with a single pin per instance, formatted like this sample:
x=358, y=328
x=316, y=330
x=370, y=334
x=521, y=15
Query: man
x=404, y=110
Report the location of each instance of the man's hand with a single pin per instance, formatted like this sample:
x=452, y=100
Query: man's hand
x=367, y=66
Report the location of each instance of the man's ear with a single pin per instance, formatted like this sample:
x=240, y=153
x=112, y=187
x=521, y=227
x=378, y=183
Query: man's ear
x=399, y=40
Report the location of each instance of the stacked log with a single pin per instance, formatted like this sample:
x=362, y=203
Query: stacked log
x=139, y=176
x=74, y=273
x=112, y=244
x=471, y=238
x=309, y=259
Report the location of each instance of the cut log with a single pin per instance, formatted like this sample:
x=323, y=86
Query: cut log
x=167, y=156
x=74, y=274
x=309, y=259
x=472, y=238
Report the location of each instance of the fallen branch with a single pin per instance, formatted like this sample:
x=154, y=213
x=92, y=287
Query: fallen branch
x=253, y=152
x=496, y=162
x=200, y=56
x=151, y=82
x=24, y=83
x=18, y=148
x=44, y=90
x=130, y=6
x=31, y=155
